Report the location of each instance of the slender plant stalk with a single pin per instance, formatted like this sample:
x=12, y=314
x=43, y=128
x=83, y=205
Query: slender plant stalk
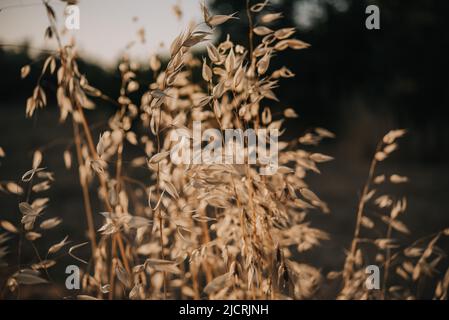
x=250, y=29
x=112, y=269
x=361, y=206
x=387, y=262
x=86, y=197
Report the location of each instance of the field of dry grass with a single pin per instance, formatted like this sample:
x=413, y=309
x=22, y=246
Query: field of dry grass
x=203, y=231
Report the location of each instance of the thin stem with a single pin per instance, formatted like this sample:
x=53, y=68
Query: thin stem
x=250, y=31
x=361, y=206
x=158, y=211
x=86, y=197
x=112, y=270
x=387, y=263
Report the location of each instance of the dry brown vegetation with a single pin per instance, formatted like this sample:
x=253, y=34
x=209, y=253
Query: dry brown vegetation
x=206, y=231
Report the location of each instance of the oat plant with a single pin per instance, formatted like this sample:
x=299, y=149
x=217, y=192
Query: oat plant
x=200, y=231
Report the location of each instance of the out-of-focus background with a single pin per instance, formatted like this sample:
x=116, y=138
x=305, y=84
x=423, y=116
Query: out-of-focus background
x=355, y=82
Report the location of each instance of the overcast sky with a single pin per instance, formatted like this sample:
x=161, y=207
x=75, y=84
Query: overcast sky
x=106, y=27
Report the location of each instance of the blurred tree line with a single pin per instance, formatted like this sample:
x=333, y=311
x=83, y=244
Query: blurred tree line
x=13, y=58
x=398, y=74
x=352, y=80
